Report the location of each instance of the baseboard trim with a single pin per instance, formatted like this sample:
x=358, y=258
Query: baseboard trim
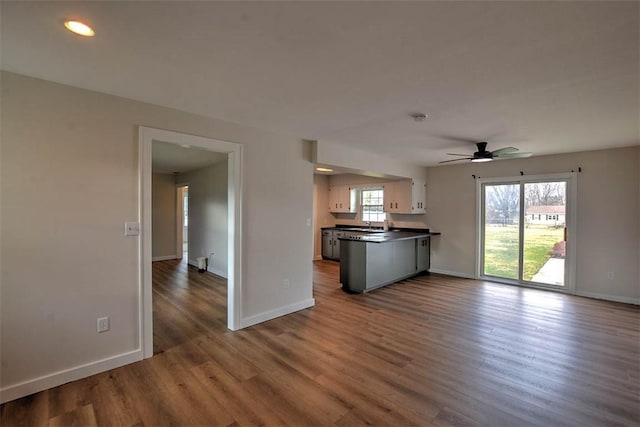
x=613, y=298
x=451, y=273
x=55, y=379
x=317, y=258
x=606, y=297
x=278, y=312
x=217, y=272
x=164, y=258
x=210, y=269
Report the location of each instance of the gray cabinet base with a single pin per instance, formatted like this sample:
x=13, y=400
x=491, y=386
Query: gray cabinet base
x=365, y=266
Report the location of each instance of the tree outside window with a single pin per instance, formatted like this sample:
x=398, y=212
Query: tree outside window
x=372, y=202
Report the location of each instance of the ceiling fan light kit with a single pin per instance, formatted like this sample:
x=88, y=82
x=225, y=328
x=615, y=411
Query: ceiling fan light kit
x=484, y=155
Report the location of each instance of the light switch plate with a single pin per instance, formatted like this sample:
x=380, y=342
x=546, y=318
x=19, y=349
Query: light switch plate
x=131, y=228
x=103, y=324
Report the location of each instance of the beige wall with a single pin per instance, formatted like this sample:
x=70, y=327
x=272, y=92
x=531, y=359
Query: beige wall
x=70, y=181
x=608, y=219
x=163, y=189
x=208, y=223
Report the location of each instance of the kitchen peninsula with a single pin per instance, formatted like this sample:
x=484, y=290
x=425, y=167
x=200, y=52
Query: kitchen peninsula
x=370, y=261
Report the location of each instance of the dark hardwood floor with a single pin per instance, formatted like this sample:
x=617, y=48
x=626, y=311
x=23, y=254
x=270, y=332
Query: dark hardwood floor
x=432, y=350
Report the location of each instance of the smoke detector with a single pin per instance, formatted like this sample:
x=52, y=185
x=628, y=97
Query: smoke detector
x=419, y=117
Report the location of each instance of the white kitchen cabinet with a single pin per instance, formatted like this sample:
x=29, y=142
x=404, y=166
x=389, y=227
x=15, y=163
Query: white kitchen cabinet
x=341, y=199
x=405, y=197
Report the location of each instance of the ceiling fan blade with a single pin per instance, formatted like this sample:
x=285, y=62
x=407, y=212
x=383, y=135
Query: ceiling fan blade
x=512, y=155
x=455, y=160
x=456, y=154
x=504, y=150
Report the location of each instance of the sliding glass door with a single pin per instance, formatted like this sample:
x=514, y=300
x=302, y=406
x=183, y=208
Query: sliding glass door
x=545, y=232
x=501, y=231
x=524, y=230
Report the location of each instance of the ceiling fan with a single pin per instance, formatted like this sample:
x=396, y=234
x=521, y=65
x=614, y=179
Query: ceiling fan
x=484, y=155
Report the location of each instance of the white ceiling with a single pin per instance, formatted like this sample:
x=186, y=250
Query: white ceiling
x=172, y=158
x=546, y=77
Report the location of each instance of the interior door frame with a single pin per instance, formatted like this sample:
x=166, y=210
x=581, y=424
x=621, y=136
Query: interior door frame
x=146, y=137
x=571, y=224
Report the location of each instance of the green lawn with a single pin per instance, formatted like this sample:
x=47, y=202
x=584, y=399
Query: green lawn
x=501, y=249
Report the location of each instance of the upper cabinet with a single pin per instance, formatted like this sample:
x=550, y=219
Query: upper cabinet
x=341, y=199
x=405, y=197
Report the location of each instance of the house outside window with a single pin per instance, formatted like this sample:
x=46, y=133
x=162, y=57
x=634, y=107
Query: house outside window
x=372, y=202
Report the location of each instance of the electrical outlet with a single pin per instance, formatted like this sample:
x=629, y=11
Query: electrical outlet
x=131, y=228
x=287, y=284
x=103, y=324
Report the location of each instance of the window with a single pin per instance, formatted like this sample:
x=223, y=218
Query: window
x=535, y=253
x=372, y=205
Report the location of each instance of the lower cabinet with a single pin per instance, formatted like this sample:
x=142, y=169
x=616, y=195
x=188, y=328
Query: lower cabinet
x=365, y=266
x=331, y=244
x=423, y=255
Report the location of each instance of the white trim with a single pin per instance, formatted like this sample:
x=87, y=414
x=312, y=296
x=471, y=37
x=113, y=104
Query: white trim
x=164, y=258
x=55, y=379
x=145, y=323
x=146, y=137
x=627, y=300
x=281, y=311
x=452, y=273
x=210, y=269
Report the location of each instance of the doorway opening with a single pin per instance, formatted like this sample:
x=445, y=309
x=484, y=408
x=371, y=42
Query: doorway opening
x=525, y=230
x=233, y=261
x=182, y=217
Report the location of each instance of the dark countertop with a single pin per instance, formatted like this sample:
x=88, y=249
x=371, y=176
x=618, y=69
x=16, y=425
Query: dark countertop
x=377, y=230
x=390, y=236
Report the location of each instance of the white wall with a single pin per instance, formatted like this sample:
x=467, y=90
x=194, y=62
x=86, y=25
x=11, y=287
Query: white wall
x=363, y=162
x=70, y=181
x=208, y=224
x=163, y=202
x=608, y=224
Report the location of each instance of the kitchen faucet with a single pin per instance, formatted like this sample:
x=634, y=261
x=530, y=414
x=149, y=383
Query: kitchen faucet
x=369, y=224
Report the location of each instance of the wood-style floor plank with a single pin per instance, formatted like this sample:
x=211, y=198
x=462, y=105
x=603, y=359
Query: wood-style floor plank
x=429, y=351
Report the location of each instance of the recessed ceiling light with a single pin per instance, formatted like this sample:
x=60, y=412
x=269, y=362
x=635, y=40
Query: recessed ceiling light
x=324, y=170
x=79, y=28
